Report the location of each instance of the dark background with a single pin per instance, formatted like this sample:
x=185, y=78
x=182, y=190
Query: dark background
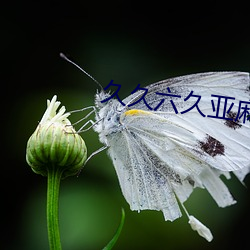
x=131, y=43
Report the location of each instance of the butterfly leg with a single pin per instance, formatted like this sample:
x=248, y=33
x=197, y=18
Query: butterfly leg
x=82, y=128
x=96, y=152
x=91, y=155
x=86, y=116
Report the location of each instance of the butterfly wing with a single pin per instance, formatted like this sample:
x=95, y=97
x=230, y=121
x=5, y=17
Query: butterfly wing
x=142, y=185
x=185, y=84
x=223, y=142
x=161, y=154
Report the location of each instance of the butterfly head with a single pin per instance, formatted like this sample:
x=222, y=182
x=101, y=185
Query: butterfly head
x=100, y=98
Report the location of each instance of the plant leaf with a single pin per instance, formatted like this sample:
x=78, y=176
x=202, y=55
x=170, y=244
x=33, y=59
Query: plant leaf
x=117, y=234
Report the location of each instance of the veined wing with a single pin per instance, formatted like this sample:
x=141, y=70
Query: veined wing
x=176, y=158
x=223, y=144
x=142, y=186
x=153, y=167
x=183, y=85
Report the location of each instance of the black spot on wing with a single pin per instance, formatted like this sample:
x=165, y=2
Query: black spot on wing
x=212, y=146
x=232, y=123
x=191, y=181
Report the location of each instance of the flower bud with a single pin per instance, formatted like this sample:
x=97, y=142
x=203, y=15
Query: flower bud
x=55, y=144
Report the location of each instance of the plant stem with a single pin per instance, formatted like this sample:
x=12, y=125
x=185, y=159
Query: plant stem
x=54, y=177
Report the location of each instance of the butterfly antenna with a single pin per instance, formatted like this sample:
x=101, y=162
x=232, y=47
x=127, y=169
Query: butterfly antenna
x=68, y=60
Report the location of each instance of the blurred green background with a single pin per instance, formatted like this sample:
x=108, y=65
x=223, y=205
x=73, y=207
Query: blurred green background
x=130, y=43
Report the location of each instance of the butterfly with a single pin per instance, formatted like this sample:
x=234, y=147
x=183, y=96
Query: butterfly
x=161, y=156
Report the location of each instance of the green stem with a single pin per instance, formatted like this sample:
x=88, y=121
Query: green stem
x=54, y=177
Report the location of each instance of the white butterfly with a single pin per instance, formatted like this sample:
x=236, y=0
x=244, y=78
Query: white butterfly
x=160, y=156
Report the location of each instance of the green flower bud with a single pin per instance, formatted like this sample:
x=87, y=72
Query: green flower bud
x=55, y=144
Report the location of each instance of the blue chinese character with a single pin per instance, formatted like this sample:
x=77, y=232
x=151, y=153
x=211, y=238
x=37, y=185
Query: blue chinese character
x=225, y=110
x=141, y=98
x=114, y=94
x=162, y=100
x=195, y=105
x=245, y=112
